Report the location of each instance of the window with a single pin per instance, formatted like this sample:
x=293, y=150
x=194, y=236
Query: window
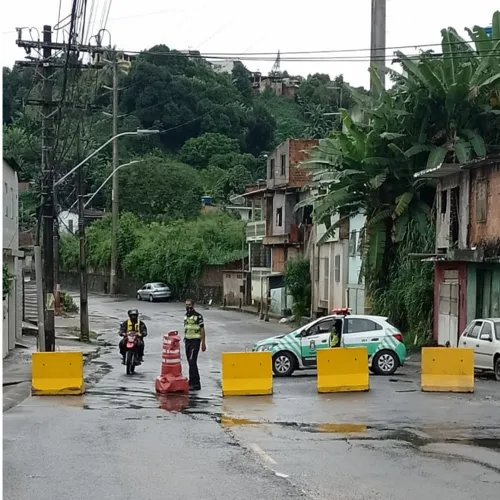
x=352, y=244
x=321, y=327
x=337, y=268
x=481, y=199
x=279, y=216
x=70, y=225
x=283, y=164
x=487, y=330
x=6, y=205
x=271, y=173
x=359, y=325
x=444, y=201
x=326, y=270
x=11, y=203
x=474, y=332
x=497, y=330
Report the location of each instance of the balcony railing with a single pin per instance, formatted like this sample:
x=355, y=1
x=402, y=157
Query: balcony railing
x=256, y=230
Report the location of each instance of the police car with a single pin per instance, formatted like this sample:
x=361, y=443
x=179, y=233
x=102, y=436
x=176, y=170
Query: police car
x=297, y=350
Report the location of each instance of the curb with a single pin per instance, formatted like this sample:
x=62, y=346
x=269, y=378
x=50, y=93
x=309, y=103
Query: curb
x=274, y=317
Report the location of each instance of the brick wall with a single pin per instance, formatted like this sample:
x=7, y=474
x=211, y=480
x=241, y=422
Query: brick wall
x=490, y=227
x=299, y=176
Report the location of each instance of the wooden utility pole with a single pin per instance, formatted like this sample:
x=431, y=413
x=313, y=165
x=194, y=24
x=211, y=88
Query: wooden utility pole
x=84, y=310
x=378, y=43
x=114, y=190
x=48, y=209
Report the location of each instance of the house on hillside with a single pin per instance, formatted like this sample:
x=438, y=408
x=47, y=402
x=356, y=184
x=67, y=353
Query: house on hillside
x=12, y=303
x=467, y=254
x=281, y=233
x=68, y=219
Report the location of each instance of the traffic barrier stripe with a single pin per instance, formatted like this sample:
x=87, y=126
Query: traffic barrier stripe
x=343, y=370
x=247, y=373
x=447, y=369
x=57, y=373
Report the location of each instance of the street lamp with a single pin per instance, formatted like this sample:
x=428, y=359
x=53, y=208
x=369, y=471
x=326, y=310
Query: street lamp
x=74, y=169
x=108, y=178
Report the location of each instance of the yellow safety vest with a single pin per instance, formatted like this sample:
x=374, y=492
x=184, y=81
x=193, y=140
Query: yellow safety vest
x=192, y=328
x=131, y=327
x=334, y=339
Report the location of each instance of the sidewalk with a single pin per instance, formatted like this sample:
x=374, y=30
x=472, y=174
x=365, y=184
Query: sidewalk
x=17, y=365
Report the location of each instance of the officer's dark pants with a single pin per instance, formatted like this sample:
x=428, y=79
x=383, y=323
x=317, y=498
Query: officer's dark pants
x=192, y=350
x=140, y=347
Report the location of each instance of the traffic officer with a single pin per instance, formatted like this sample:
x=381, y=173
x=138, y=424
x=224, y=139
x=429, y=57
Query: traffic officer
x=194, y=338
x=336, y=334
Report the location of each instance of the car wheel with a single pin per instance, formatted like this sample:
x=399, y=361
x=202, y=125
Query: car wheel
x=497, y=368
x=385, y=363
x=283, y=364
x=151, y=298
x=139, y=296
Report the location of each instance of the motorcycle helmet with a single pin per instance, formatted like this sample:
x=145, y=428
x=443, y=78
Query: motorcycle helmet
x=133, y=313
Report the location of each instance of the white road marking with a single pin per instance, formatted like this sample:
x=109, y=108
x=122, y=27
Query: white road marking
x=262, y=454
x=280, y=474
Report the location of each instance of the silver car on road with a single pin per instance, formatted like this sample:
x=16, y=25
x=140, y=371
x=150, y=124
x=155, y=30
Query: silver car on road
x=154, y=291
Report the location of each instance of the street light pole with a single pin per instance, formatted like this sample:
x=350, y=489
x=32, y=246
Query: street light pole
x=93, y=195
x=100, y=148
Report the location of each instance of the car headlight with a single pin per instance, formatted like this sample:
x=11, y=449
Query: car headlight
x=266, y=347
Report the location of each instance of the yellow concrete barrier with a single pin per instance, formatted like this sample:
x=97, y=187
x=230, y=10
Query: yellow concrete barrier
x=447, y=369
x=57, y=373
x=247, y=373
x=343, y=370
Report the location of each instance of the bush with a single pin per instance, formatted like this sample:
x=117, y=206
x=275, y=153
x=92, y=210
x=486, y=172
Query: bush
x=68, y=305
x=298, y=283
x=173, y=252
x=6, y=280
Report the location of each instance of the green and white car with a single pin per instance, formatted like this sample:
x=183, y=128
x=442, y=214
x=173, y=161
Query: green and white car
x=297, y=350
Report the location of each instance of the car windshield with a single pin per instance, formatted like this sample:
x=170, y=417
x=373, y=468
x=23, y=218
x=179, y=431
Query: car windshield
x=497, y=330
x=160, y=285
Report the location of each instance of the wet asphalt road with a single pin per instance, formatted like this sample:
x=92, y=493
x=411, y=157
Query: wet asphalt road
x=121, y=441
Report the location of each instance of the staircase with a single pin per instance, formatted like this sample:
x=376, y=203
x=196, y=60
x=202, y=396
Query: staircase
x=30, y=306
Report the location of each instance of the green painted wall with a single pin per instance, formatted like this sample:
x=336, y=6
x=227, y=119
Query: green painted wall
x=483, y=297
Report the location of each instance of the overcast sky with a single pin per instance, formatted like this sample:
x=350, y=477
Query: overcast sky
x=258, y=26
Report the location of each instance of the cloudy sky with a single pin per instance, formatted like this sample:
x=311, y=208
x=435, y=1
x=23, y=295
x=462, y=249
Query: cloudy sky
x=258, y=26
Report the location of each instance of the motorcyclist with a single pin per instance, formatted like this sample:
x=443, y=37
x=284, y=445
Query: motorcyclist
x=133, y=324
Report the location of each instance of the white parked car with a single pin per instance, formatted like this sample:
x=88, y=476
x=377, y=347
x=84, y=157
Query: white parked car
x=154, y=291
x=483, y=335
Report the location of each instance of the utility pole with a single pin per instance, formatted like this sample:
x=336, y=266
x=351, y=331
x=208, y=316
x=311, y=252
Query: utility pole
x=114, y=189
x=57, y=288
x=48, y=209
x=84, y=310
x=378, y=43
x=47, y=65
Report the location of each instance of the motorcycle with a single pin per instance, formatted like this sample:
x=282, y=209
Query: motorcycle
x=131, y=354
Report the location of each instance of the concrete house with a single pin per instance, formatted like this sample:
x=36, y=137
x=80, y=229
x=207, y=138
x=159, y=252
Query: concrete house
x=467, y=255
x=12, y=303
x=277, y=233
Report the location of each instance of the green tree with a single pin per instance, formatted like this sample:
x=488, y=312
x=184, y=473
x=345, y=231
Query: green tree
x=160, y=188
x=199, y=151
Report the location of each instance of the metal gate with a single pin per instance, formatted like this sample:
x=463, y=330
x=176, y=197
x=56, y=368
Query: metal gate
x=448, y=312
